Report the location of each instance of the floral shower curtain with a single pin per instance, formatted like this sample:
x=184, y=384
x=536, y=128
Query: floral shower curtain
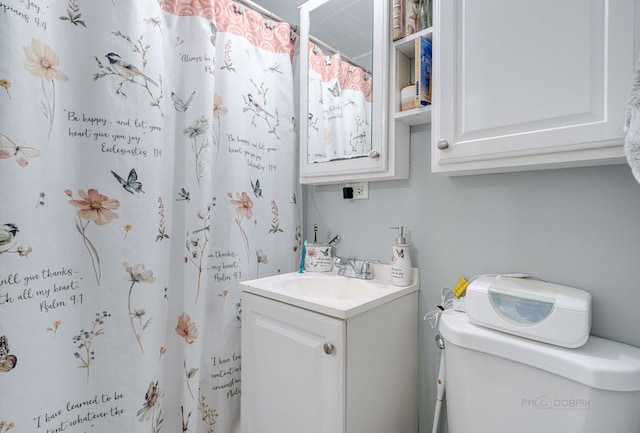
x=339, y=115
x=147, y=164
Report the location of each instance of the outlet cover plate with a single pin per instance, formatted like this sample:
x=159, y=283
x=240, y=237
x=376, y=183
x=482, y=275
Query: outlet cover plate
x=360, y=190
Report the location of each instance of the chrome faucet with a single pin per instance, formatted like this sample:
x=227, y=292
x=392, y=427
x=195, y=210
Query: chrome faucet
x=355, y=268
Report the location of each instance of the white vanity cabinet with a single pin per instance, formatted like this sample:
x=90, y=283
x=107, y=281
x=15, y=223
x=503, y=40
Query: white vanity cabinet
x=524, y=84
x=303, y=371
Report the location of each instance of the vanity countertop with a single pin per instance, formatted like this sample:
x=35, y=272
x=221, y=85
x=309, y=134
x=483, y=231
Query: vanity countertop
x=330, y=294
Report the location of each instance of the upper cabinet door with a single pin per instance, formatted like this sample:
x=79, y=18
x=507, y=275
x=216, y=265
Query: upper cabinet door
x=525, y=84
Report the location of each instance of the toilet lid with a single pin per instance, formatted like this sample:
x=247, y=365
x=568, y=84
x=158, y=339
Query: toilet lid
x=600, y=363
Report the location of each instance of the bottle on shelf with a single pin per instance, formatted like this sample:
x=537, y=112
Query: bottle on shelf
x=425, y=15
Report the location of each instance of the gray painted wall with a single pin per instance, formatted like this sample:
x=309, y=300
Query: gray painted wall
x=579, y=227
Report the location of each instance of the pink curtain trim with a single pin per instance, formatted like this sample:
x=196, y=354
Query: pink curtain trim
x=249, y=24
x=349, y=76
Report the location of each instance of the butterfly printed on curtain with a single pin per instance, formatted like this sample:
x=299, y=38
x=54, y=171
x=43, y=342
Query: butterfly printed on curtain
x=257, y=191
x=179, y=104
x=154, y=21
x=184, y=195
x=7, y=361
x=335, y=90
x=274, y=68
x=131, y=184
x=8, y=149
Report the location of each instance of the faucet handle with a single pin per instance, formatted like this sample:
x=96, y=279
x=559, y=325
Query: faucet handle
x=364, y=268
x=368, y=263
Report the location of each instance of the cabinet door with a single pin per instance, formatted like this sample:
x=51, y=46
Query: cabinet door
x=289, y=383
x=527, y=84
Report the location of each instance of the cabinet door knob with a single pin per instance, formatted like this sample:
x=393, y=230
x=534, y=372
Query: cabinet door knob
x=374, y=154
x=328, y=348
x=442, y=144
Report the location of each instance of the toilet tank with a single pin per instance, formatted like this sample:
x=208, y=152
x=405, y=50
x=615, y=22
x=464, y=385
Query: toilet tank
x=497, y=382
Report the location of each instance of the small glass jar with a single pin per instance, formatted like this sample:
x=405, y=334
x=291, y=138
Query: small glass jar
x=425, y=14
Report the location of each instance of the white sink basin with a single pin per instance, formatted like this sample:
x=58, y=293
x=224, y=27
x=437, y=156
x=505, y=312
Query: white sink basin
x=331, y=287
x=329, y=293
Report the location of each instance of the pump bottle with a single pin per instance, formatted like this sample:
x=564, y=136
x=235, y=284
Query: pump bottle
x=401, y=271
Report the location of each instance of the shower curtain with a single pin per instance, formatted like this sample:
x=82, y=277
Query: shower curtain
x=339, y=116
x=147, y=165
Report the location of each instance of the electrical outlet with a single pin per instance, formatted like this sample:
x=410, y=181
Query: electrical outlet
x=360, y=190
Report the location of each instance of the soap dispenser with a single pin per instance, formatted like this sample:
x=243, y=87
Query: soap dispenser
x=401, y=271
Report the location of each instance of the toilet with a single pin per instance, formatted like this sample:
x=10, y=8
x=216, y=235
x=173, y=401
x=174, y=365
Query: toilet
x=502, y=383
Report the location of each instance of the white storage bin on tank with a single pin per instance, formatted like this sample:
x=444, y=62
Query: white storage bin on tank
x=504, y=383
x=530, y=308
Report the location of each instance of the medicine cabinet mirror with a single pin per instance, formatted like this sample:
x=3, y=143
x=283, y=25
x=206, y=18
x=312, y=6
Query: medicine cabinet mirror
x=344, y=52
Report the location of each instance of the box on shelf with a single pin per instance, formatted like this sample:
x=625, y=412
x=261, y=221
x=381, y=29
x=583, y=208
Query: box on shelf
x=422, y=59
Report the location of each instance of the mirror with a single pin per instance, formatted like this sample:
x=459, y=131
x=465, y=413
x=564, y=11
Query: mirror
x=376, y=155
x=339, y=76
x=368, y=21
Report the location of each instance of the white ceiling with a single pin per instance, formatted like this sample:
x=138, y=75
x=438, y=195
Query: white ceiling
x=285, y=9
x=343, y=24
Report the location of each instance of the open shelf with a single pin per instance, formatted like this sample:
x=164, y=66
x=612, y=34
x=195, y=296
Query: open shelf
x=402, y=72
x=406, y=44
x=416, y=116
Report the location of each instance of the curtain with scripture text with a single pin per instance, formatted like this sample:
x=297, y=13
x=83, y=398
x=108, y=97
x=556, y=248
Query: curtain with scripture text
x=147, y=165
x=339, y=112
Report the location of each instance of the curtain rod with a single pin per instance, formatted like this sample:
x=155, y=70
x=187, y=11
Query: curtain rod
x=294, y=28
x=263, y=11
x=342, y=56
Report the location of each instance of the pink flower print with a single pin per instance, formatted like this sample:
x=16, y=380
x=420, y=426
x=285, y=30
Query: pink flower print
x=218, y=109
x=186, y=328
x=244, y=209
x=41, y=61
x=244, y=205
x=99, y=209
x=96, y=207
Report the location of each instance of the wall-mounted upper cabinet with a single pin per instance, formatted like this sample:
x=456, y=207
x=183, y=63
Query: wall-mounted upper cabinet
x=345, y=133
x=525, y=85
